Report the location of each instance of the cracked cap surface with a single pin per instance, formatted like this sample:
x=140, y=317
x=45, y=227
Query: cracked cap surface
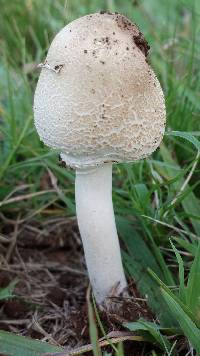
x=97, y=99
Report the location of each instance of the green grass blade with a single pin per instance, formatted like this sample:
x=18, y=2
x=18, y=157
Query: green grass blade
x=7, y=292
x=165, y=271
x=190, y=204
x=186, y=309
x=188, y=246
x=137, y=261
x=101, y=325
x=13, y=151
x=120, y=350
x=187, y=136
x=190, y=330
x=148, y=288
x=182, y=288
x=93, y=329
x=193, y=285
x=15, y=345
x=153, y=329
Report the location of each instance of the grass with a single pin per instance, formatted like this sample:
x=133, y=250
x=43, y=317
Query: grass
x=157, y=201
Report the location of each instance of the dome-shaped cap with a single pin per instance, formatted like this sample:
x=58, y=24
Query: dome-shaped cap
x=97, y=99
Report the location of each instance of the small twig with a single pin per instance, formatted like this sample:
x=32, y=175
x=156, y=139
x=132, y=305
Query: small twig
x=52, y=266
x=13, y=241
x=22, y=265
x=60, y=221
x=40, y=329
x=181, y=252
x=114, y=337
x=17, y=189
x=54, y=182
x=190, y=234
x=15, y=322
x=4, y=239
x=57, y=68
x=25, y=197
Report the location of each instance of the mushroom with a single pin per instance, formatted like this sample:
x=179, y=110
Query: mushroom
x=99, y=102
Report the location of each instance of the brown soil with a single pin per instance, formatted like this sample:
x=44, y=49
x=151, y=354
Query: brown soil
x=50, y=296
x=126, y=25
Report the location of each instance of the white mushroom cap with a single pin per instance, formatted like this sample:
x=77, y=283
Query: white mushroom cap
x=97, y=99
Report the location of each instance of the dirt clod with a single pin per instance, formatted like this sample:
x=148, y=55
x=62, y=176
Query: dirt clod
x=56, y=296
x=15, y=309
x=102, y=12
x=5, y=279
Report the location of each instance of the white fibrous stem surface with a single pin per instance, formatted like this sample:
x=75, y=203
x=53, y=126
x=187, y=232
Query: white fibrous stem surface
x=98, y=231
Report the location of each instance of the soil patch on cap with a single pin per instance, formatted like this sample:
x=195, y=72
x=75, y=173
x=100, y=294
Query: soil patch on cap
x=126, y=25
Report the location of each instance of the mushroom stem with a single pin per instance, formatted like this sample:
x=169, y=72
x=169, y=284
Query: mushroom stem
x=96, y=220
